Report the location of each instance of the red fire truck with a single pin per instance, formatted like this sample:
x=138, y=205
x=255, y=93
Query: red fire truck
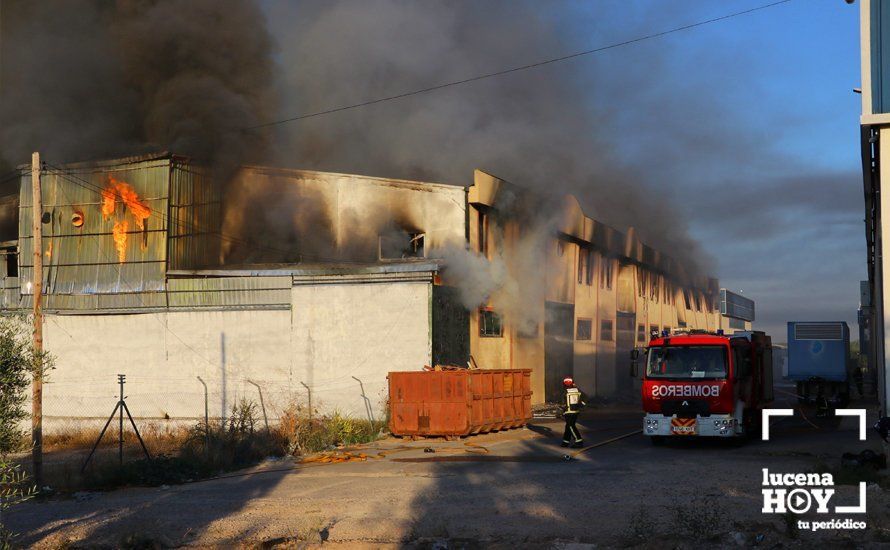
x=705, y=384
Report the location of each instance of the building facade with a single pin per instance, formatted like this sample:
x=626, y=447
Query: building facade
x=290, y=286
x=875, y=146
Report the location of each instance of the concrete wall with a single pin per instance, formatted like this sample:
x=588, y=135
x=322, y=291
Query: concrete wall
x=332, y=333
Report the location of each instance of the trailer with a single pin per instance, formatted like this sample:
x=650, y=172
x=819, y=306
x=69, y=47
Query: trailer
x=819, y=361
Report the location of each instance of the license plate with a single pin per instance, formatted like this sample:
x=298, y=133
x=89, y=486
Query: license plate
x=683, y=426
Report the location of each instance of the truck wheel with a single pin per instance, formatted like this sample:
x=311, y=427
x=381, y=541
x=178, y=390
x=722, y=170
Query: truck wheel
x=657, y=440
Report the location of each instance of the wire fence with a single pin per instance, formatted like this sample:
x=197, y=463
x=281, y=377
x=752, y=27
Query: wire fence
x=83, y=406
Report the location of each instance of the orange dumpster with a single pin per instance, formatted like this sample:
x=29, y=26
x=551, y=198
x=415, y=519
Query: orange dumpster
x=458, y=402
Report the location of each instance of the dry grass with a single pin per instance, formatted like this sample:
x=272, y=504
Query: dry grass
x=183, y=453
x=160, y=437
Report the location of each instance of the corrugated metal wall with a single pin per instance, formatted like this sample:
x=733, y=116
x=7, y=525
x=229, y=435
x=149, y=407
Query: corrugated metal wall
x=195, y=217
x=82, y=261
x=82, y=268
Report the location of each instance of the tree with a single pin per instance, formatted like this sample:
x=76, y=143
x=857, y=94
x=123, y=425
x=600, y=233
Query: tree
x=18, y=364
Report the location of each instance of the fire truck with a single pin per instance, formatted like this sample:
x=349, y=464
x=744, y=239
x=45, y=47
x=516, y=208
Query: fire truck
x=704, y=384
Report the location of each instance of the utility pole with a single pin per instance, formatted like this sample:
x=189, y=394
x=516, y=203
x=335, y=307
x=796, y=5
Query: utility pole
x=37, y=286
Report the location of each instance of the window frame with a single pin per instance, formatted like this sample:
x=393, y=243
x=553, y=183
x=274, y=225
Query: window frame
x=483, y=311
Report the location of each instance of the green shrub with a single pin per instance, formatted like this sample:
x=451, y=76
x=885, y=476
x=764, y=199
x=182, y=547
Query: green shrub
x=302, y=433
x=18, y=363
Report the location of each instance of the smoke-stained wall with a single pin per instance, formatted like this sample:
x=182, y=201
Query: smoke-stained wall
x=276, y=215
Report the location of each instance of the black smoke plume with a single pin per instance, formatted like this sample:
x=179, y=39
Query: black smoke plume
x=85, y=79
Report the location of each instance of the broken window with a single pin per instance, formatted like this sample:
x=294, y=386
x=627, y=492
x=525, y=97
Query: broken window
x=641, y=333
x=584, y=329
x=490, y=324
x=606, y=330
x=686, y=299
x=399, y=245
x=590, y=266
x=653, y=288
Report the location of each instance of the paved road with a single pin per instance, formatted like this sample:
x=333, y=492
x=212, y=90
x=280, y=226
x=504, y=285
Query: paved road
x=514, y=491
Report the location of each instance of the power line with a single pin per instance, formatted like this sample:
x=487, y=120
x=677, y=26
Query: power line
x=516, y=69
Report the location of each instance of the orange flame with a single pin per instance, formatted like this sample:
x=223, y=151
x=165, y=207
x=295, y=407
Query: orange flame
x=120, y=239
x=118, y=189
x=121, y=190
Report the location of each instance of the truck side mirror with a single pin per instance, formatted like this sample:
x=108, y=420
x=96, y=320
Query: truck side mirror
x=634, y=355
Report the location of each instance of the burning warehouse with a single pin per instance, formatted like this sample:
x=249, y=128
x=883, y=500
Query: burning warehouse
x=291, y=284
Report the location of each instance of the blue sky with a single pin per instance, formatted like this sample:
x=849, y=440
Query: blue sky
x=786, y=76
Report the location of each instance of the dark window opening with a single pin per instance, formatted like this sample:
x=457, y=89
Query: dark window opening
x=606, y=330
x=490, y=324
x=584, y=330
x=401, y=245
x=12, y=264
x=580, y=266
x=482, y=234
x=590, y=265
x=641, y=333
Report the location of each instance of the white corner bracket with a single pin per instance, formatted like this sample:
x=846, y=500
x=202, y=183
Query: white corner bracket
x=855, y=412
x=854, y=509
x=764, y=421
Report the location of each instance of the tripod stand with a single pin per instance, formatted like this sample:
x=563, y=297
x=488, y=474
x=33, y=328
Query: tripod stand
x=118, y=409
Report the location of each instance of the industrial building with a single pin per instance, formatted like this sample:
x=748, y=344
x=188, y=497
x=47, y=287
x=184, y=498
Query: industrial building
x=875, y=146
x=289, y=286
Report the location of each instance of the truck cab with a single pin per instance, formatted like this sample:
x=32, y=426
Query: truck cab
x=705, y=384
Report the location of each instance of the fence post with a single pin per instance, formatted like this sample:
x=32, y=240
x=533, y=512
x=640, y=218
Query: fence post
x=262, y=404
x=366, y=400
x=206, y=417
x=309, y=391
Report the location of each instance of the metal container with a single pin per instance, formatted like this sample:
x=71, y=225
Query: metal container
x=458, y=402
x=818, y=350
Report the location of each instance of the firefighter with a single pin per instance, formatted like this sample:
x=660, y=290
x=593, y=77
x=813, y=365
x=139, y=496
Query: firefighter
x=573, y=406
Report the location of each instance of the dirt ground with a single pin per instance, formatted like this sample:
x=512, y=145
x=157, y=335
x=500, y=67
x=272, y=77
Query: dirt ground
x=510, y=489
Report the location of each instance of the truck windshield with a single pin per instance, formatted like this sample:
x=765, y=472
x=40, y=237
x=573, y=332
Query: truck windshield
x=686, y=362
